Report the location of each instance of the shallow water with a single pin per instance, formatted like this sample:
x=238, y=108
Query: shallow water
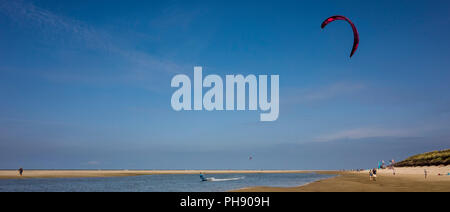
x=159, y=183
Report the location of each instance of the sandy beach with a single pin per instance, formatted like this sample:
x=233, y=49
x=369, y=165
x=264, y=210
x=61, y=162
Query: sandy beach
x=13, y=174
x=404, y=180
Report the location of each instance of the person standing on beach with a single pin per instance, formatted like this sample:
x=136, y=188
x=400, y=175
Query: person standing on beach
x=374, y=173
x=21, y=172
x=370, y=175
x=425, y=172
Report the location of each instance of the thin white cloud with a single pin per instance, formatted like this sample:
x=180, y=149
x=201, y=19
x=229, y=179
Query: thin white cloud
x=377, y=132
x=26, y=13
x=333, y=90
x=93, y=163
x=143, y=65
x=326, y=92
x=361, y=133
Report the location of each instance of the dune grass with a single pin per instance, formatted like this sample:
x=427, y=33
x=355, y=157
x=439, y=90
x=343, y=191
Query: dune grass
x=435, y=158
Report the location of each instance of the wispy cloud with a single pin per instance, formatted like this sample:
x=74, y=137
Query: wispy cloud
x=321, y=93
x=360, y=133
x=142, y=64
x=93, y=163
x=333, y=90
x=378, y=132
x=28, y=15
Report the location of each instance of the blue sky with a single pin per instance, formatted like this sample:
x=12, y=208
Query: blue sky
x=86, y=84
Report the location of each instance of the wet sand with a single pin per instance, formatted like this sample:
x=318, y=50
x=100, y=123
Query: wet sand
x=13, y=174
x=405, y=180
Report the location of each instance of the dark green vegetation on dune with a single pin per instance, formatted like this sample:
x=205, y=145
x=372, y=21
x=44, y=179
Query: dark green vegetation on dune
x=435, y=158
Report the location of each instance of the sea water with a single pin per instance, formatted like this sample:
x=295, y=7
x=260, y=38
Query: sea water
x=159, y=183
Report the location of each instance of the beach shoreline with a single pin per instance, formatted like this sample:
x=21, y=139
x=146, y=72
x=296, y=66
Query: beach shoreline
x=411, y=179
x=28, y=174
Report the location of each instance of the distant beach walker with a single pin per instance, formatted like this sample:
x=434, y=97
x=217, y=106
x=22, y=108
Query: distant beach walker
x=374, y=173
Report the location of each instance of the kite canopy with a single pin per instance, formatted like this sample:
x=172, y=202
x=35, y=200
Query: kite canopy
x=355, y=31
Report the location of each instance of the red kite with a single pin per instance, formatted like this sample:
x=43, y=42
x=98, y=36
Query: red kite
x=355, y=31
